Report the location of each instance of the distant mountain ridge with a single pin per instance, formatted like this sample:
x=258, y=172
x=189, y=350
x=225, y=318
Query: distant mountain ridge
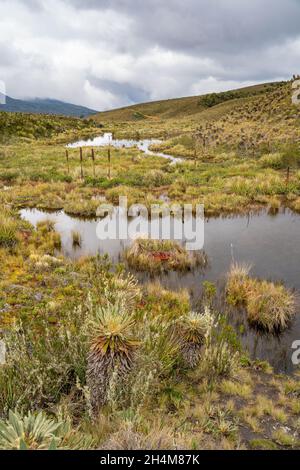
x=44, y=106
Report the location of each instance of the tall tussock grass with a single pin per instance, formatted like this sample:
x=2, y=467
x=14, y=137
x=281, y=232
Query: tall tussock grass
x=161, y=255
x=269, y=306
x=8, y=231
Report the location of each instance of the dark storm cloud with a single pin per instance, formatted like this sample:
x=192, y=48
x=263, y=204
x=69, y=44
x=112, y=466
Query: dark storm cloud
x=207, y=25
x=109, y=53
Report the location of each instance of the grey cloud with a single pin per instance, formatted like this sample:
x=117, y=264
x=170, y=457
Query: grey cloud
x=207, y=25
x=125, y=92
x=116, y=52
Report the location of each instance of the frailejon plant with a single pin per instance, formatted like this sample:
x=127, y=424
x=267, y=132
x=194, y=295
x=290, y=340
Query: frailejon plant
x=37, y=431
x=34, y=432
x=191, y=331
x=112, y=347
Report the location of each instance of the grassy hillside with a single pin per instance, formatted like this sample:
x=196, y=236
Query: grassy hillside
x=16, y=126
x=183, y=107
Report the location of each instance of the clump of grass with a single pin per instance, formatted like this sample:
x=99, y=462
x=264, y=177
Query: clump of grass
x=46, y=226
x=161, y=255
x=269, y=306
x=165, y=302
x=274, y=161
x=128, y=438
x=8, y=232
x=263, y=444
x=274, y=205
x=237, y=283
x=56, y=240
x=81, y=207
x=236, y=389
x=44, y=262
x=284, y=438
x=76, y=239
x=220, y=360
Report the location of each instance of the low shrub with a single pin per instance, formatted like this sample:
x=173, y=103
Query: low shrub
x=42, y=362
x=274, y=161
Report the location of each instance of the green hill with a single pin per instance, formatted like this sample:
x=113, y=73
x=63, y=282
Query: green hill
x=184, y=107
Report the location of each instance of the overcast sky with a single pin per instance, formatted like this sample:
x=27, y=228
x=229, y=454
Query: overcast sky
x=111, y=53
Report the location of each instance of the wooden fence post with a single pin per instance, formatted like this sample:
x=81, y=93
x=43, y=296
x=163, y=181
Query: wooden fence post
x=68, y=165
x=93, y=158
x=109, y=163
x=81, y=159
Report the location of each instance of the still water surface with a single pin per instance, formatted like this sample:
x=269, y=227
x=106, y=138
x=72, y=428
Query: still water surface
x=271, y=244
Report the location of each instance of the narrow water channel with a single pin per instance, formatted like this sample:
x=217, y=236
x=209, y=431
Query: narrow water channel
x=107, y=139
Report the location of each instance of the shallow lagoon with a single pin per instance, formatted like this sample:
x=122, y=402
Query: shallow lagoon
x=270, y=243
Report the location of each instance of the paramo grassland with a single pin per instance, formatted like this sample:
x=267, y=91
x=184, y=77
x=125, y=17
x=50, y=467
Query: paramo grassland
x=95, y=359
x=239, y=154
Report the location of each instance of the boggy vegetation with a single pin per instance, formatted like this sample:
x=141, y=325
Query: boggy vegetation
x=269, y=306
x=95, y=360
x=156, y=256
x=240, y=155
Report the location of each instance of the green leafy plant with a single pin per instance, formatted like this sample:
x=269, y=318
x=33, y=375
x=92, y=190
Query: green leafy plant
x=8, y=231
x=112, y=347
x=191, y=331
x=33, y=431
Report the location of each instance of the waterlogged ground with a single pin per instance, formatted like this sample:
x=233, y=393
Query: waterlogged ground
x=107, y=139
x=270, y=243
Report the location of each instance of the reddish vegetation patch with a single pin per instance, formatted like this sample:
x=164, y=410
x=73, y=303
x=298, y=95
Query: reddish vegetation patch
x=161, y=256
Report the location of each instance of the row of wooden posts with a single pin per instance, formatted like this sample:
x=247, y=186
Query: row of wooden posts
x=93, y=160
